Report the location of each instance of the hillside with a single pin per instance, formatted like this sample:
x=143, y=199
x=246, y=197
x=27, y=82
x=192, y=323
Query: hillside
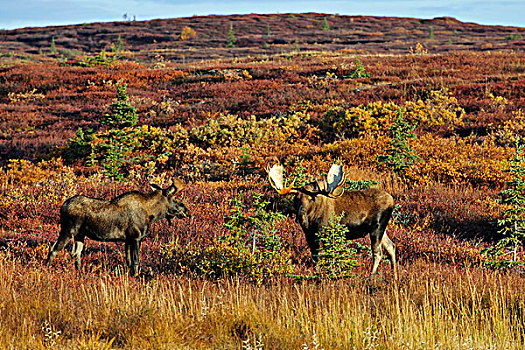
x=143, y=40
x=185, y=81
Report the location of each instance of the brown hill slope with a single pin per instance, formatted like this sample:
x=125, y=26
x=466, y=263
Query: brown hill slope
x=261, y=35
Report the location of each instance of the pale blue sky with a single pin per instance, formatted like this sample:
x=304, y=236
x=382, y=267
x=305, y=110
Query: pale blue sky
x=35, y=13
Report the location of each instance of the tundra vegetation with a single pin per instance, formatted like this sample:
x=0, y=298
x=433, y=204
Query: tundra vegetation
x=438, y=127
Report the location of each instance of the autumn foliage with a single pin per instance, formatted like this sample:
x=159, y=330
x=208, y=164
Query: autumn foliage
x=216, y=119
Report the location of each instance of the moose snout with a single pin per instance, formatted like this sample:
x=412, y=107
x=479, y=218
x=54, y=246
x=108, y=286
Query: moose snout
x=184, y=214
x=180, y=212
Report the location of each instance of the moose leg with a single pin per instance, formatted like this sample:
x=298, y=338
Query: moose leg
x=379, y=239
x=391, y=252
x=377, y=252
x=76, y=252
x=313, y=241
x=132, y=256
x=66, y=234
x=57, y=247
x=128, y=254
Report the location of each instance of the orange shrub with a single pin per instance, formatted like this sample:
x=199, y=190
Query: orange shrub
x=443, y=160
x=458, y=160
x=359, y=152
x=21, y=171
x=510, y=131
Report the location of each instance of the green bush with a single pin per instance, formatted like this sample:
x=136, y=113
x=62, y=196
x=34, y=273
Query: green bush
x=351, y=185
x=512, y=221
x=335, y=258
x=227, y=129
x=358, y=71
x=124, y=146
x=79, y=147
x=251, y=247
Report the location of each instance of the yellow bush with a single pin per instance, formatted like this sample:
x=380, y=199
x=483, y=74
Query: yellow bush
x=235, y=74
x=439, y=108
x=21, y=171
x=372, y=119
x=376, y=118
x=187, y=33
x=510, y=131
x=458, y=160
x=228, y=129
x=418, y=50
x=37, y=185
x=25, y=96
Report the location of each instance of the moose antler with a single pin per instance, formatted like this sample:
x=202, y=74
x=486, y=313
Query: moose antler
x=332, y=186
x=335, y=181
x=275, y=177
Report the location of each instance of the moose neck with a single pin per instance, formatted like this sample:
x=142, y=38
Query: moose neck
x=156, y=205
x=314, y=206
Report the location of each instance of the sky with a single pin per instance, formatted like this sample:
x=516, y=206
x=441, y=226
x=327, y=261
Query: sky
x=39, y=13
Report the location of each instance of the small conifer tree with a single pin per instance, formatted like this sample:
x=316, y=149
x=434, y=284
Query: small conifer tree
x=399, y=156
x=431, y=33
x=326, y=26
x=53, y=47
x=512, y=222
x=116, y=48
x=335, y=258
x=114, y=149
x=231, y=37
x=123, y=113
x=358, y=71
x=79, y=147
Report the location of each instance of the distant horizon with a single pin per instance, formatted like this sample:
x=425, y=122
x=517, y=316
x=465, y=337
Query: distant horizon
x=132, y=18
x=43, y=13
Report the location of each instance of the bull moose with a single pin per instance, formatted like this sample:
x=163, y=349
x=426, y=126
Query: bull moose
x=125, y=218
x=365, y=211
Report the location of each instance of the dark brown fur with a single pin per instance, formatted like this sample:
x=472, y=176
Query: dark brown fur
x=365, y=212
x=126, y=218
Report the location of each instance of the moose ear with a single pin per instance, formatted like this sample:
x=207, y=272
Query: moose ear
x=178, y=185
x=175, y=187
x=155, y=187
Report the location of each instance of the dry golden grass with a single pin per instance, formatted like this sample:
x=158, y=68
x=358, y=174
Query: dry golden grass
x=431, y=307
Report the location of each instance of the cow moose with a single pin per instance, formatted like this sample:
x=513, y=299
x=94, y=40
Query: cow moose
x=125, y=218
x=365, y=211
